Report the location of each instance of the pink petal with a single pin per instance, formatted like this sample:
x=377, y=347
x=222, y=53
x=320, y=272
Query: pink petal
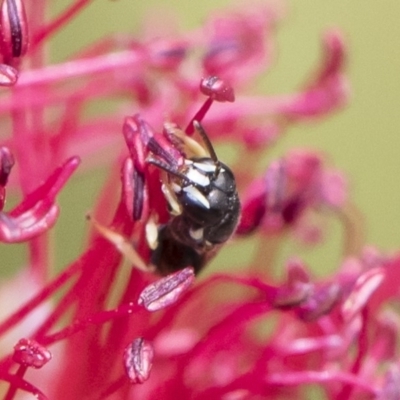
x=28, y=225
x=8, y=75
x=363, y=289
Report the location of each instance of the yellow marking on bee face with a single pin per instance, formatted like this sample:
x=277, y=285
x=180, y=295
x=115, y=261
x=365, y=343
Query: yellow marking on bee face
x=152, y=233
x=196, y=234
x=197, y=196
x=197, y=177
x=169, y=194
x=205, y=167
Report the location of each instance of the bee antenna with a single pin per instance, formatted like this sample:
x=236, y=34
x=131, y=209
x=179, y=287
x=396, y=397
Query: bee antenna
x=213, y=155
x=165, y=167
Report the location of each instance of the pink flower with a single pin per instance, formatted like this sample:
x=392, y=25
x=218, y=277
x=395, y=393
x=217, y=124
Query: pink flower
x=129, y=318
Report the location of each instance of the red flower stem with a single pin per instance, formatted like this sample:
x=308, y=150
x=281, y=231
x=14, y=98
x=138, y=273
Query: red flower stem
x=40, y=254
x=363, y=344
x=81, y=68
x=87, y=68
x=114, y=387
x=106, y=203
x=119, y=329
x=68, y=126
x=49, y=189
x=310, y=377
x=74, y=292
x=40, y=257
x=123, y=329
x=199, y=116
x=72, y=296
x=137, y=281
x=44, y=294
x=36, y=11
x=76, y=95
x=95, y=319
x=319, y=344
x=61, y=309
x=167, y=318
x=269, y=291
x=249, y=106
x=231, y=323
x=93, y=290
x=12, y=390
x=228, y=326
x=253, y=380
x=23, y=146
x=59, y=22
x=19, y=383
x=242, y=109
x=38, y=247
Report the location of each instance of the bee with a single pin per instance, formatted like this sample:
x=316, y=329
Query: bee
x=200, y=192
x=204, y=206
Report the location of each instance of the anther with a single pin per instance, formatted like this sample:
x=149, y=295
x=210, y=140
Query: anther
x=14, y=29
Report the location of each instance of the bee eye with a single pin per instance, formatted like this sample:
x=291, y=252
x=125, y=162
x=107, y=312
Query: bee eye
x=225, y=181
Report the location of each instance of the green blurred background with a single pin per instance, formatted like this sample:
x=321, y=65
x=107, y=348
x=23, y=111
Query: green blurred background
x=363, y=140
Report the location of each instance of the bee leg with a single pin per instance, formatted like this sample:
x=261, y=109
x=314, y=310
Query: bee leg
x=187, y=145
x=122, y=244
x=169, y=190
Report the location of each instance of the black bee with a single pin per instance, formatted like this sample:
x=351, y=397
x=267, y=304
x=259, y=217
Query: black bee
x=204, y=207
x=201, y=195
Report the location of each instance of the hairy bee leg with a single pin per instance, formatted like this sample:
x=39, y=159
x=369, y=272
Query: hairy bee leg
x=193, y=148
x=122, y=244
x=169, y=193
